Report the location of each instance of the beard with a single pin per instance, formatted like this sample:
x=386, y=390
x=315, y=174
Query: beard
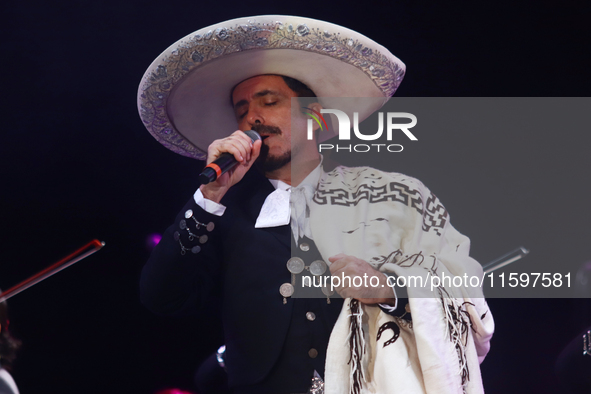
x=268, y=163
x=265, y=162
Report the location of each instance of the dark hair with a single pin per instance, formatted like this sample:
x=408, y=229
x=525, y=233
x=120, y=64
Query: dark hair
x=8, y=344
x=299, y=88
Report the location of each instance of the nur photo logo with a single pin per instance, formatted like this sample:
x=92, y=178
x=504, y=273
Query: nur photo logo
x=345, y=126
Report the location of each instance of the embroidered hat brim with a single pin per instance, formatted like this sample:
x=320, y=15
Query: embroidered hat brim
x=184, y=96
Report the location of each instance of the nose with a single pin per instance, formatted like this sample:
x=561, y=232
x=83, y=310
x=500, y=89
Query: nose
x=254, y=116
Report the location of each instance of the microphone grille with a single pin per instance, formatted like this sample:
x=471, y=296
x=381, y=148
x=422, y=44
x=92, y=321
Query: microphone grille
x=254, y=136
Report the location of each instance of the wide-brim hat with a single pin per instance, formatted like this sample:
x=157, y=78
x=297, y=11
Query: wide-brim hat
x=184, y=96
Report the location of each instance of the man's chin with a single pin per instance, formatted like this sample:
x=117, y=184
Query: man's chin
x=268, y=163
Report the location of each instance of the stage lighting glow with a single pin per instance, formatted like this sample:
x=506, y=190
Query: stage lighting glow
x=152, y=240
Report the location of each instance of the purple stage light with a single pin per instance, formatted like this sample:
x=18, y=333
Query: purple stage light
x=173, y=391
x=152, y=240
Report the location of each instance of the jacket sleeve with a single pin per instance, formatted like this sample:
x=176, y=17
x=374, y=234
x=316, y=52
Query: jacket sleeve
x=182, y=275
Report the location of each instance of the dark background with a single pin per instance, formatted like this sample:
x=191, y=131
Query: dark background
x=77, y=164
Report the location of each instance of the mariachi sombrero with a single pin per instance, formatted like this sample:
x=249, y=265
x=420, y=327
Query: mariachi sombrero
x=184, y=96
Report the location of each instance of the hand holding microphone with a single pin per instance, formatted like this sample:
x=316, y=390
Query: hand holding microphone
x=228, y=160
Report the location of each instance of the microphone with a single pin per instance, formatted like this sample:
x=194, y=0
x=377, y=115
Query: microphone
x=222, y=164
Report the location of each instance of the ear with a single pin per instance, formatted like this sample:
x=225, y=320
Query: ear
x=316, y=107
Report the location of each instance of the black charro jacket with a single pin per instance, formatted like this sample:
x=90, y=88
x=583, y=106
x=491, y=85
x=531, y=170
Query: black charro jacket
x=236, y=277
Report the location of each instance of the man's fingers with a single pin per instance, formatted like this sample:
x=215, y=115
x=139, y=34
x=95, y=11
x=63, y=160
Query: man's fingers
x=218, y=147
x=238, y=144
x=256, y=150
x=341, y=260
x=358, y=279
x=238, y=147
x=237, y=150
x=336, y=266
x=334, y=258
x=245, y=142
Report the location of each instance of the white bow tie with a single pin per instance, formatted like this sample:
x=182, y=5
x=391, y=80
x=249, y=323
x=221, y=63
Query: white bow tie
x=281, y=205
x=275, y=210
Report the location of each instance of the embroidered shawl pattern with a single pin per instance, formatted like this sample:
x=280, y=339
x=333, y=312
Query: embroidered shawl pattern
x=396, y=224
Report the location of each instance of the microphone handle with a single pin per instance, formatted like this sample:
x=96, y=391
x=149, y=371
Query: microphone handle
x=222, y=164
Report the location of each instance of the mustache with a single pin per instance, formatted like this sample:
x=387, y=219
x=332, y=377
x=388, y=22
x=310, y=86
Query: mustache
x=265, y=129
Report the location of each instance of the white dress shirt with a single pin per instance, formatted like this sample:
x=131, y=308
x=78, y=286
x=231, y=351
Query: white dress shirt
x=285, y=203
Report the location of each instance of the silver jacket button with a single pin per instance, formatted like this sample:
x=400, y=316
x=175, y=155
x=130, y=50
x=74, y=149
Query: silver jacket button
x=311, y=316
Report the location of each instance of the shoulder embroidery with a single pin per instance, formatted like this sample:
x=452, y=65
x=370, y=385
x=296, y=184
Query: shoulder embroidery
x=361, y=186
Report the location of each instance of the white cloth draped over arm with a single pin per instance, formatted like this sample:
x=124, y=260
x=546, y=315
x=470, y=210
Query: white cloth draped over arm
x=396, y=224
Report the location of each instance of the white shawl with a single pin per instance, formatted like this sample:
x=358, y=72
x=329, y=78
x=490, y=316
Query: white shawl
x=397, y=225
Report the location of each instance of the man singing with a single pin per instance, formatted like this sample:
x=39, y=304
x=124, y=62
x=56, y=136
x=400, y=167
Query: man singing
x=236, y=248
